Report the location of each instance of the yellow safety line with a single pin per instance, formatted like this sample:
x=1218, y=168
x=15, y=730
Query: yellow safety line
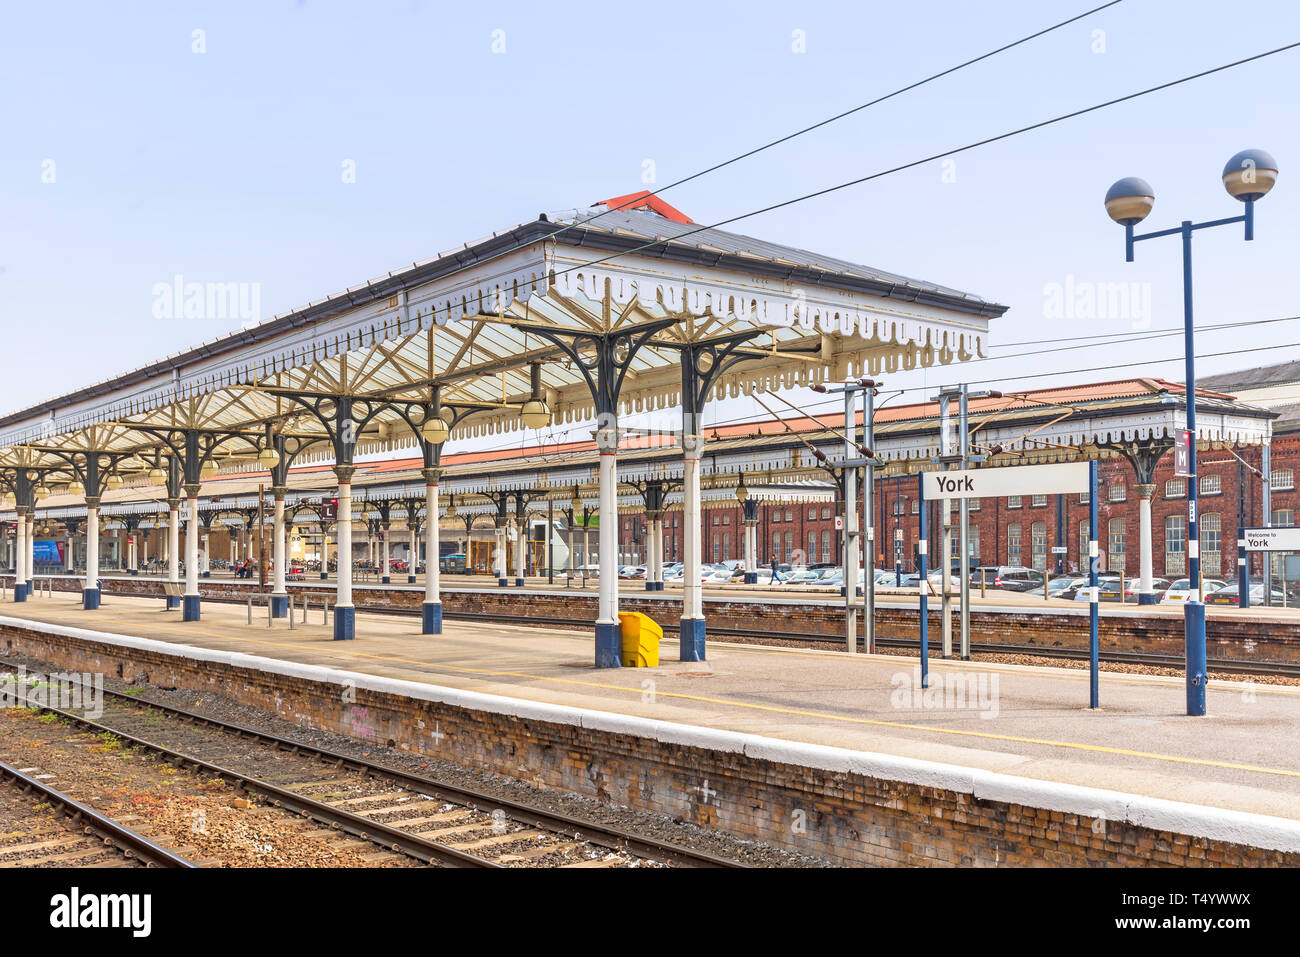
x=1073, y=745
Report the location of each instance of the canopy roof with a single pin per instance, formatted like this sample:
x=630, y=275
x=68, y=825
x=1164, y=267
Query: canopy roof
x=470, y=323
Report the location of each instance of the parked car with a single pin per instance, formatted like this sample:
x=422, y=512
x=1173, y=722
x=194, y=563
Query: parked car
x=1181, y=590
x=1231, y=595
x=1006, y=577
x=1060, y=587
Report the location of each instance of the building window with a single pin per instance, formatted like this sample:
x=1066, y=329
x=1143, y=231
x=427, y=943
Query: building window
x=812, y=547
x=1013, y=501
x=826, y=546
x=1282, y=479
x=1211, y=485
x=826, y=512
x=726, y=544
x=1117, y=492
x=972, y=505
x=776, y=517
x=1116, y=545
x=1013, y=544
x=812, y=514
x=1038, y=545
x=1280, y=517
x=789, y=546
x=717, y=548
x=973, y=544
x=1083, y=546
x=899, y=508
x=1085, y=497
x=789, y=515
x=1038, y=501
x=1209, y=531
x=716, y=518
x=1176, y=488
x=916, y=506
x=1176, y=545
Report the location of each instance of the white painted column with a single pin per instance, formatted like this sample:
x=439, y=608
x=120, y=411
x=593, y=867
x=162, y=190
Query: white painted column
x=173, y=546
x=413, y=561
x=609, y=645
x=692, y=624
x=90, y=594
x=385, y=534
x=432, y=611
x=190, y=603
x=31, y=546
x=344, y=612
x=751, y=550
x=521, y=551
x=20, y=558
x=279, y=594
x=499, y=552
x=71, y=552
x=1145, y=586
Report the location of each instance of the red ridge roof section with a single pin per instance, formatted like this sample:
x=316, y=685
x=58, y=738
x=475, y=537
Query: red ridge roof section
x=650, y=202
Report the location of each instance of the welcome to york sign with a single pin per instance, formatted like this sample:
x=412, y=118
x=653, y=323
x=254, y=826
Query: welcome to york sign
x=1284, y=539
x=1066, y=478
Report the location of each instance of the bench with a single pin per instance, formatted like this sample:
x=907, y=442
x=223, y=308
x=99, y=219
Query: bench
x=173, y=590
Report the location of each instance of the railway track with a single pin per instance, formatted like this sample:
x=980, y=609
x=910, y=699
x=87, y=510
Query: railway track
x=433, y=821
x=74, y=836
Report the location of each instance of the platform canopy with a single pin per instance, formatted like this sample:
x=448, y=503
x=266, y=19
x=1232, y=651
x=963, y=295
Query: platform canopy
x=479, y=324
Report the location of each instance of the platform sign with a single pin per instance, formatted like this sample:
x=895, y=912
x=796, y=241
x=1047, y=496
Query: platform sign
x=1007, y=480
x=329, y=509
x=1285, y=538
x=1183, y=454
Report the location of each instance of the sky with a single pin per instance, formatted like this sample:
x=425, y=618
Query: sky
x=302, y=147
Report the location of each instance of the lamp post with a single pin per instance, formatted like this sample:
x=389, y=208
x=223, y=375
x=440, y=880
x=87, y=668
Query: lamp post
x=1248, y=176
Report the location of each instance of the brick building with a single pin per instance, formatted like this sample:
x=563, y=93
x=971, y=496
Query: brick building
x=1023, y=531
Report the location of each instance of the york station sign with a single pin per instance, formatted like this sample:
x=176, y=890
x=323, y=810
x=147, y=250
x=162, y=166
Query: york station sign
x=1062, y=479
x=1283, y=539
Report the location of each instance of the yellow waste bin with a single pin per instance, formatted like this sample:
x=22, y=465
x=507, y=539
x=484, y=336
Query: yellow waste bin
x=641, y=636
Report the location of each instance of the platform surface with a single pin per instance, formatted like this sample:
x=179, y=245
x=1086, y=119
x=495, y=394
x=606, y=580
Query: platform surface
x=1031, y=722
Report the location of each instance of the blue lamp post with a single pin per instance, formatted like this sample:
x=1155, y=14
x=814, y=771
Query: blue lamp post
x=1248, y=176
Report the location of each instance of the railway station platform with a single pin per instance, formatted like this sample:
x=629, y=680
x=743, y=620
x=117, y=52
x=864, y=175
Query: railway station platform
x=1024, y=732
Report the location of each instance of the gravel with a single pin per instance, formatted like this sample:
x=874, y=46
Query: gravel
x=657, y=826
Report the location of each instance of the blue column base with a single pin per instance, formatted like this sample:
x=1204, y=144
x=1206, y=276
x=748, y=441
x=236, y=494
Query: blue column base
x=751, y=578
x=651, y=586
x=503, y=582
x=659, y=586
x=385, y=580
x=135, y=571
x=519, y=583
x=324, y=576
x=173, y=601
x=609, y=645
x=20, y=592
x=692, y=639
x=345, y=623
x=205, y=574
x=1146, y=598
x=279, y=606
x=1194, y=642
x=431, y=616
x=190, y=604
x=90, y=598
x=410, y=579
